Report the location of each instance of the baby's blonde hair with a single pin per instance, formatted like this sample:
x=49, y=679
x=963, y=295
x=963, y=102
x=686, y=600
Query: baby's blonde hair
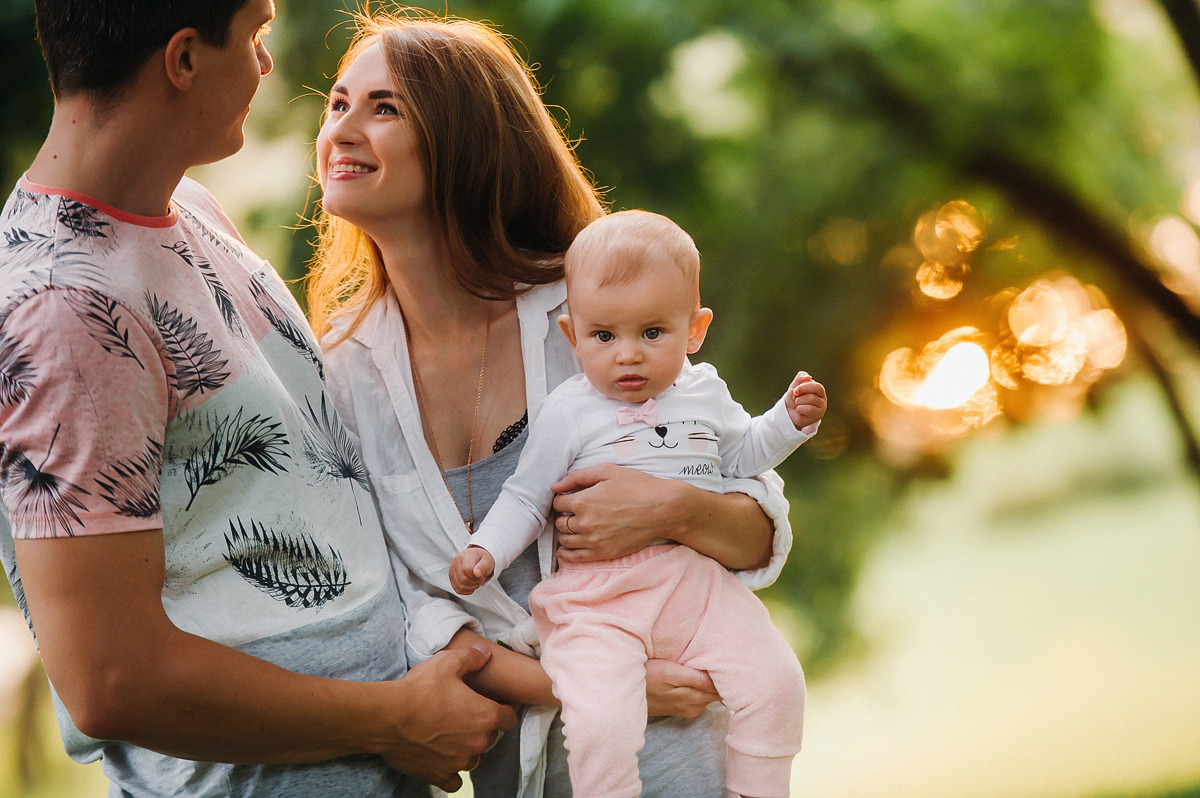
x=623, y=246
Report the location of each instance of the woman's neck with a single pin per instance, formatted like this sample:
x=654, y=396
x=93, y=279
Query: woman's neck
x=435, y=306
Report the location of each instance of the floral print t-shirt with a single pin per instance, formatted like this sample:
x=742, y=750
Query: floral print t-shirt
x=156, y=374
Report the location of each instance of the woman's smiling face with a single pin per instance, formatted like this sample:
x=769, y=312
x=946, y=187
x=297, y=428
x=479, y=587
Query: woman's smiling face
x=369, y=160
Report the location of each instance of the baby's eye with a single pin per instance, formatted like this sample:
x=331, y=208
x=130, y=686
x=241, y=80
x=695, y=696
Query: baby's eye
x=603, y=336
x=652, y=334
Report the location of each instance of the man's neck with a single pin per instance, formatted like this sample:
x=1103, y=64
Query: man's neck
x=113, y=153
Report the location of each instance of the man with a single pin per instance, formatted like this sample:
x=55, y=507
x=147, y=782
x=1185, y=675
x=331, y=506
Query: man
x=191, y=536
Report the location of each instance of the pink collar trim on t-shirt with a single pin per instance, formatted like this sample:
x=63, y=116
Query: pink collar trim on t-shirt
x=116, y=213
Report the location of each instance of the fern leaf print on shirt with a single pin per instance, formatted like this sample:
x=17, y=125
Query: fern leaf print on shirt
x=256, y=442
x=283, y=324
x=219, y=293
x=198, y=367
x=24, y=199
x=83, y=220
x=206, y=232
x=131, y=486
x=48, y=502
x=16, y=370
x=25, y=244
x=292, y=569
x=104, y=321
x=330, y=451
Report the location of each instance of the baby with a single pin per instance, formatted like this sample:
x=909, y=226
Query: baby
x=634, y=303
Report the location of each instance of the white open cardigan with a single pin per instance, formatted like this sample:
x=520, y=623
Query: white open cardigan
x=370, y=382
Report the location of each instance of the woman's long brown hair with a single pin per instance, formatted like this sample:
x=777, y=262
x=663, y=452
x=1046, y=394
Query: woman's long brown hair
x=506, y=190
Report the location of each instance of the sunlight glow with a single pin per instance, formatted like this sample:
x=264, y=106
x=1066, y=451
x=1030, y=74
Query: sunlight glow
x=1060, y=326
x=1176, y=245
x=946, y=237
x=955, y=378
x=949, y=378
x=1052, y=340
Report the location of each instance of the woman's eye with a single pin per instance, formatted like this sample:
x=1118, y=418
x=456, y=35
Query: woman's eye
x=384, y=109
x=603, y=336
x=652, y=334
x=337, y=106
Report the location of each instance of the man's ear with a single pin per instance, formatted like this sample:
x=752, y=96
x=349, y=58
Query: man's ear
x=698, y=329
x=179, y=58
x=564, y=324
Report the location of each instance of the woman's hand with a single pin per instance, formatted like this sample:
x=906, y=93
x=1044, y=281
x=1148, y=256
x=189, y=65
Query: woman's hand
x=677, y=690
x=608, y=511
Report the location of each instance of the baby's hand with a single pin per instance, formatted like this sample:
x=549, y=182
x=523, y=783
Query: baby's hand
x=805, y=400
x=471, y=568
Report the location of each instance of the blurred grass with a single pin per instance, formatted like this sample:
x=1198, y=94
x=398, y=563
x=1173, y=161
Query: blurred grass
x=1190, y=792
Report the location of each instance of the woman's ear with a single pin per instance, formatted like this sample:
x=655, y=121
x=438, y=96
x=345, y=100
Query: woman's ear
x=698, y=329
x=564, y=324
x=179, y=58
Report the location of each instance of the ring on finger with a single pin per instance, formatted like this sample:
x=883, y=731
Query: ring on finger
x=567, y=524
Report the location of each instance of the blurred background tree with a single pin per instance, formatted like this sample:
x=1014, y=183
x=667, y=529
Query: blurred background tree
x=959, y=216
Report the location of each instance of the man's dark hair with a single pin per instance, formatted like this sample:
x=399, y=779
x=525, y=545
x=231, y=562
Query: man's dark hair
x=98, y=45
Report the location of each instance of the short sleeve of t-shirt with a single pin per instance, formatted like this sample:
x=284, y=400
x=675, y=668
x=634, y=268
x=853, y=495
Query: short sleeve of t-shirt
x=83, y=409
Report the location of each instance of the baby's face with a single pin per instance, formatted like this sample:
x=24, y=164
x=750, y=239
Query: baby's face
x=633, y=338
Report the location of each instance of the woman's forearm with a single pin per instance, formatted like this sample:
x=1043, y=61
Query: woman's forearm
x=508, y=677
x=731, y=528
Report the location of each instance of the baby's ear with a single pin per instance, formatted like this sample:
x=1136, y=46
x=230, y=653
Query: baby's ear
x=564, y=324
x=698, y=329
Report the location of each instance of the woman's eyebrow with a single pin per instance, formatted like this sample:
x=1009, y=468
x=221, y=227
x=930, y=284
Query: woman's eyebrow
x=378, y=94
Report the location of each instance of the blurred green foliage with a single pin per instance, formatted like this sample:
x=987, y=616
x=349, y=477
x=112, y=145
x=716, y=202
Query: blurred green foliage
x=25, y=103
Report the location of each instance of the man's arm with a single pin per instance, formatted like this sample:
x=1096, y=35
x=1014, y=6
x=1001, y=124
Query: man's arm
x=125, y=672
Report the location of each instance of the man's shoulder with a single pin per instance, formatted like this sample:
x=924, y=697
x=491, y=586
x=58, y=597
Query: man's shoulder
x=197, y=204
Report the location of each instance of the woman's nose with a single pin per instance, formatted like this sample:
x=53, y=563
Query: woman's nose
x=344, y=129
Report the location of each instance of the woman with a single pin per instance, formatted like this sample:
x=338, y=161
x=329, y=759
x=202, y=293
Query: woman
x=449, y=198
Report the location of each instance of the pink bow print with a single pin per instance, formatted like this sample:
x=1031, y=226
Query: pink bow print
x=647, y=413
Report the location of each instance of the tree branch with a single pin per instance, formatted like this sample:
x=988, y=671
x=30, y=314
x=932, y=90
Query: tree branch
x=1057, y=209
x=1185, y=18
x=1163, y=375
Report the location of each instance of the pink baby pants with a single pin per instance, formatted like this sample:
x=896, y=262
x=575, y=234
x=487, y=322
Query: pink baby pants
x=599, y=623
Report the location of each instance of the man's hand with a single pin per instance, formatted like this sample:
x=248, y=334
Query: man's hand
x=677, y=690
x=805, y=401
x=445, y=726
x=471, y=568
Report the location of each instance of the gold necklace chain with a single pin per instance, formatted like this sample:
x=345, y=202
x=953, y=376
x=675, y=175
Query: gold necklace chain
x=437, y=458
